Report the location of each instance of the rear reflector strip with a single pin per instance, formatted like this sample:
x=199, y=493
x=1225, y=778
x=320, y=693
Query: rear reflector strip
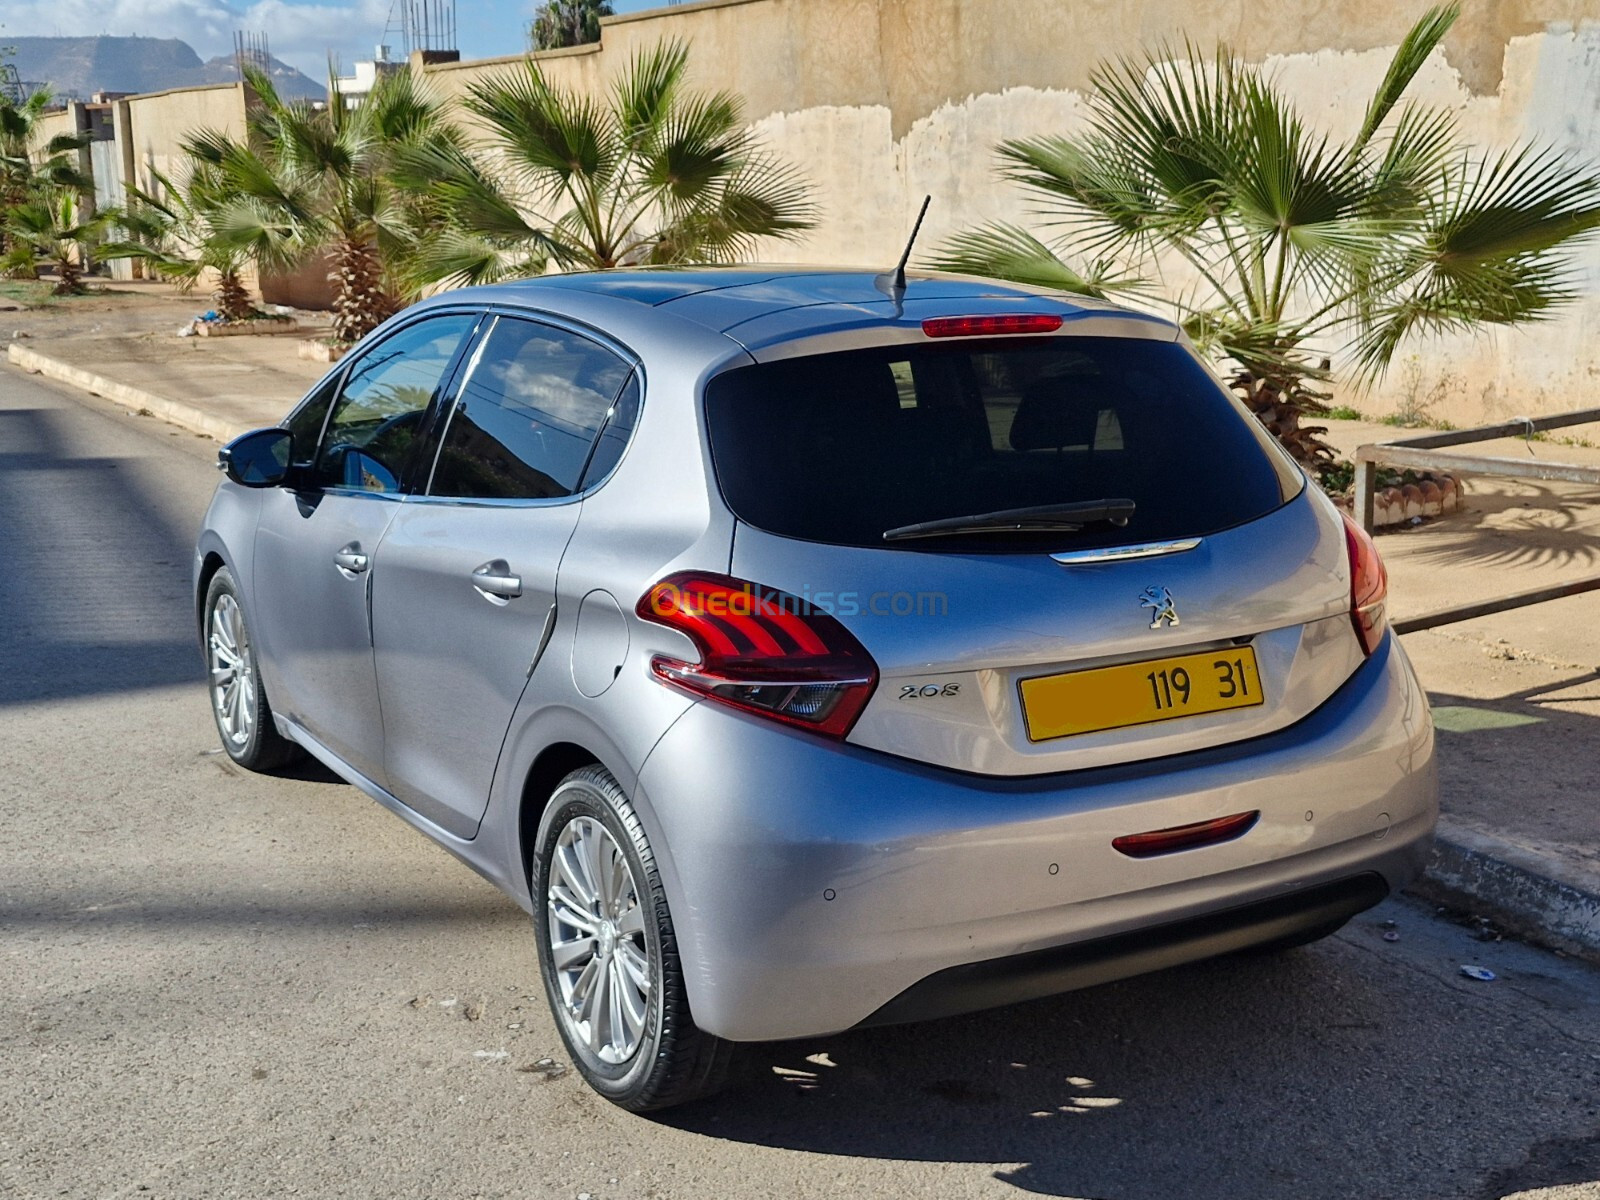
x=1186, y=837
x=997, y=326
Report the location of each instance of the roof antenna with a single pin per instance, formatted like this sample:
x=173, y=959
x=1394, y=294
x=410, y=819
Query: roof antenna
x=893, y=283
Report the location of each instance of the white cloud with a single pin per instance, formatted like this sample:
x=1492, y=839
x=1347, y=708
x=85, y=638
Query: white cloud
x=301, y=34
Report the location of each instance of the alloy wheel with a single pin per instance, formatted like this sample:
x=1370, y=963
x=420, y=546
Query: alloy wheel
x=598, y=948
x=233, y=681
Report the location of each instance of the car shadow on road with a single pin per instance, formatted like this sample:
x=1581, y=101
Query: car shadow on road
x=95, y=582
x=1162, y=1086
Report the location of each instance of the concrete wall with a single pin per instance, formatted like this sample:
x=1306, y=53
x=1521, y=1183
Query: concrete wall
x=52, y=124
x=883, y=101
x=158, y=122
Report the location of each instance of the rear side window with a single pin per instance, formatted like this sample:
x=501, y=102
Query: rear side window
x=841, y=448
x=528, y=415
x=614, y=436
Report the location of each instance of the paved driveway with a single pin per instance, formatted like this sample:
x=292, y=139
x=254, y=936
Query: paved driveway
x=220, y=985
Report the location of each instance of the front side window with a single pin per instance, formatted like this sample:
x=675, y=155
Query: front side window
x=855, y=448
x=526, y=420
x=379, y=416
x=305, y=424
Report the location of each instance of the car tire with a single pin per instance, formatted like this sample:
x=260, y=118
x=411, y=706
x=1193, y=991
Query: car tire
x=608, y=954
x=233, y=680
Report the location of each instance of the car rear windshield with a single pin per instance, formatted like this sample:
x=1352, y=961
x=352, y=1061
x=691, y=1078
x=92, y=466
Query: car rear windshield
x=842, y=448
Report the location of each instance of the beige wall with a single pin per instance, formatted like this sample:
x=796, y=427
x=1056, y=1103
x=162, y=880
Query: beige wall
x=50, y=125
x=882, y=101
x=160, y=121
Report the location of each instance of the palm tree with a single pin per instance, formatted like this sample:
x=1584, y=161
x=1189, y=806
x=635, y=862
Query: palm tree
x=308, y=180
x=52, y=228
x=25, y=168
x=173, y=231
x=654, y=173
x=1197, y=184
x=559, y=23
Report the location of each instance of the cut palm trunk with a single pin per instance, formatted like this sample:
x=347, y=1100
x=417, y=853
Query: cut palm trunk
x=232, y=298
x=361, y=302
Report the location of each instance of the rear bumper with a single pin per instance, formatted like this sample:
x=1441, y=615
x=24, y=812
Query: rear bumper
x=989, y=984
x=814, y=887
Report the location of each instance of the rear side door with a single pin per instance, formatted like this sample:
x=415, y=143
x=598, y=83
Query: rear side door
x=315, y=552
x=466, y=597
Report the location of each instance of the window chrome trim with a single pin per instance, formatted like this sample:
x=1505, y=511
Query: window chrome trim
x=362, y=493
x=1083, y=558
x=487, y=323
x=497, y=501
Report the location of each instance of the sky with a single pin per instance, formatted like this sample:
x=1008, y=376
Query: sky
x=300, y=32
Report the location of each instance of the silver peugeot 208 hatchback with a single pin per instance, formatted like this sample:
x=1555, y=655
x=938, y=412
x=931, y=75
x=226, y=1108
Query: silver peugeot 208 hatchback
x=805, y=657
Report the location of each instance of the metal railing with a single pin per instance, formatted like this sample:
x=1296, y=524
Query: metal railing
x=1426, y=453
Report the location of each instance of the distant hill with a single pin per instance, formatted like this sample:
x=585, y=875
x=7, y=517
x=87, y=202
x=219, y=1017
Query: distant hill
x=81, y=66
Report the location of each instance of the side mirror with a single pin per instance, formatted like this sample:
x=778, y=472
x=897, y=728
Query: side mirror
x=257, y=460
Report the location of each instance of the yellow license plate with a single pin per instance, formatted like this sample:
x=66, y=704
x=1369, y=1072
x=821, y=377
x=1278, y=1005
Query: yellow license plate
x=1141, y=693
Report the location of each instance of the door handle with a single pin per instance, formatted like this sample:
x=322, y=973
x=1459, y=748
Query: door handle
x=495, y=582
x=350, y=559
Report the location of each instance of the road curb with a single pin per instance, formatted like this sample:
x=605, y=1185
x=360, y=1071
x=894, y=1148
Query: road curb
x=1518, y=888
x=186, y=416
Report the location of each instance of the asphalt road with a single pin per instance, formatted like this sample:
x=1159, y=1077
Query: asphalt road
x=222, y=985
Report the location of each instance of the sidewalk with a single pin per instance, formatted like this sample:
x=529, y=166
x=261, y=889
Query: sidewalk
x=123, y=346
x=1516, y=696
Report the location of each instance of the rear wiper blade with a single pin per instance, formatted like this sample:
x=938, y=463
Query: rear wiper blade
x=1048, y=518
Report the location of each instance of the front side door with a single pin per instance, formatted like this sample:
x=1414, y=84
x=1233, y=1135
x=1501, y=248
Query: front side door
x=467, y=591
x=316, y=546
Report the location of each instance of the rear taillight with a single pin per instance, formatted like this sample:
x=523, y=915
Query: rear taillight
x=1369, y=585
x=762, y=651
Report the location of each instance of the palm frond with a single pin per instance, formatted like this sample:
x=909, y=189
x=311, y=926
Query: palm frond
x=1492, y=249
x=1090, y=184
x=762, y=199
x=65, y=143
x=700, y=143
x=1003, y=251
x=248, y=226
x=1417, y=150
x=1409, y=58
x=1522, y=201
x=642, y=95
x=550, y=136
x=457, y=258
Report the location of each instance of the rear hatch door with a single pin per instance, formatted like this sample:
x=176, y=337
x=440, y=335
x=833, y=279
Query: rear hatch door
x=1189, y=591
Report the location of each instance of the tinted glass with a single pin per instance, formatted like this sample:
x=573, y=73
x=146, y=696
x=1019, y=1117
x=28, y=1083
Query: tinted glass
x=379, y=417
x=842, y=447
x=614, y=435
x=306, y=422
x=527, y=415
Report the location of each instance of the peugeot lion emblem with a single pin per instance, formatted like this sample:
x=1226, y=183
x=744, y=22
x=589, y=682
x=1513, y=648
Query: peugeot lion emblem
x=1161, y=605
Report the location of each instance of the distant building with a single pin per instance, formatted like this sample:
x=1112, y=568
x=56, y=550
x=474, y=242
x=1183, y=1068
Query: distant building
x=354, y=88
